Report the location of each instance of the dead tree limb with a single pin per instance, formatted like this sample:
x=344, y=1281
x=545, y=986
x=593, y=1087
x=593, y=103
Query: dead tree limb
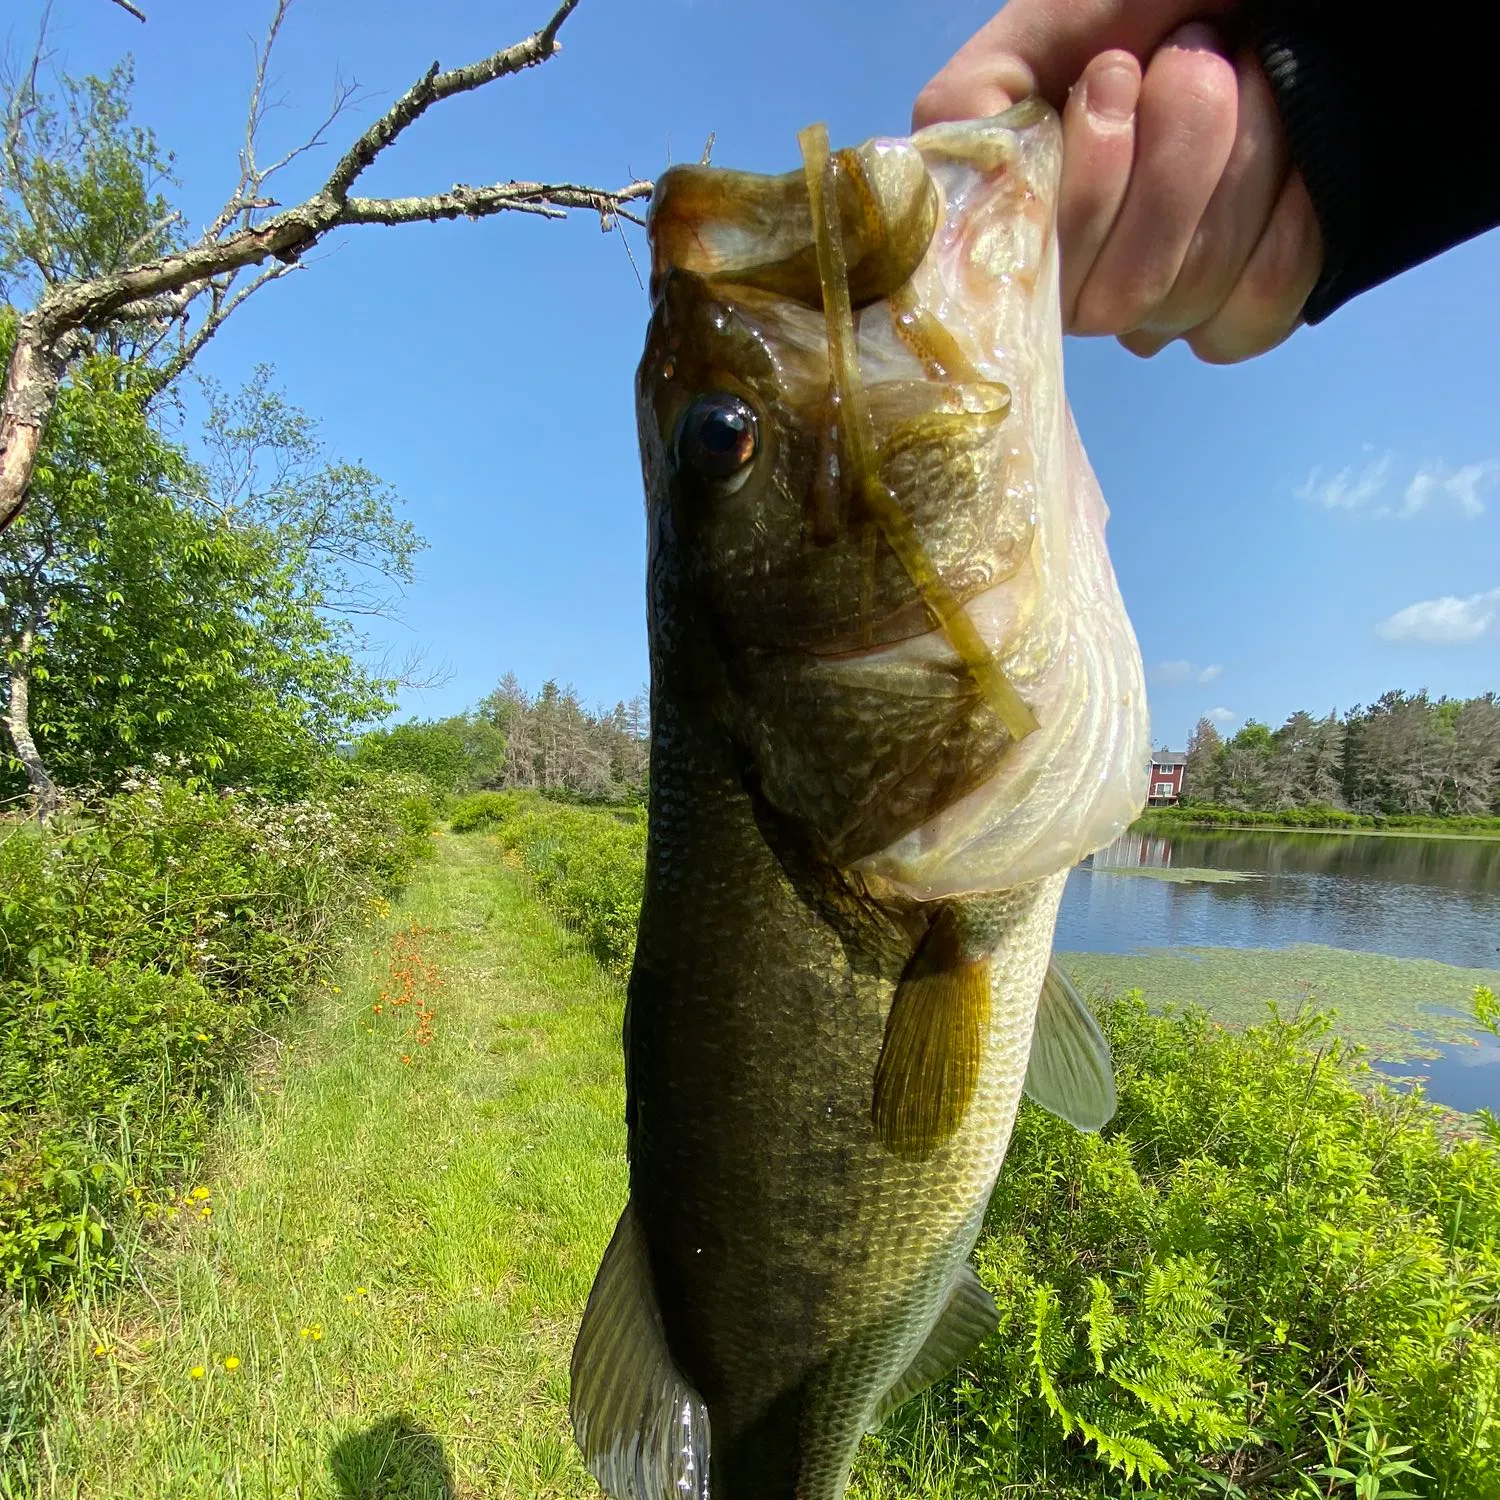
x=140, y=15
x=52, y=333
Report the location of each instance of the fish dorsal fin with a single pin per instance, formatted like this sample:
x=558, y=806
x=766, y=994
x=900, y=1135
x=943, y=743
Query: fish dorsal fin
x=969, y=1318
x=642, y=1428
x=1070, y=1073
x=934, y=1040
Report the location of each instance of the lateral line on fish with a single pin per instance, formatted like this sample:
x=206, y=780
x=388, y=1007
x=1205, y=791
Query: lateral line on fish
x=880, y=504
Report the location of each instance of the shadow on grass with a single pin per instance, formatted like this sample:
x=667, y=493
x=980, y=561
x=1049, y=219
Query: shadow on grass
x=395, y=1459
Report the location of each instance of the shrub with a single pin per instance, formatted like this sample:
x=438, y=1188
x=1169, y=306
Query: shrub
x=143, y=942
x=437, y=752
x=483, y=810
x=584, y=862
x=1259, y=1274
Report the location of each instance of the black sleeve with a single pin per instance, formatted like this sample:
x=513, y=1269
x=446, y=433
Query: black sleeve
x=1395, y=126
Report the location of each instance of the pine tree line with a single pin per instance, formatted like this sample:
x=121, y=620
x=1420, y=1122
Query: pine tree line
x=1404, y=754
x=515, y=740
x=554, y=744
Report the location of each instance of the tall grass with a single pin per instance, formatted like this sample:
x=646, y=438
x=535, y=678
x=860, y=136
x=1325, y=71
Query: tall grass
x=146, y=941
x=382, y=1303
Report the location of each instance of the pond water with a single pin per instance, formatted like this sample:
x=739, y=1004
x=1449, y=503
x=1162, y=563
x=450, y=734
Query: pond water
x=1405, y=897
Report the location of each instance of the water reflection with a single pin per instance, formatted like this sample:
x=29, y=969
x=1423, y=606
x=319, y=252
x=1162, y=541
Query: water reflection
x=1464, y=1077
x=1406, y=897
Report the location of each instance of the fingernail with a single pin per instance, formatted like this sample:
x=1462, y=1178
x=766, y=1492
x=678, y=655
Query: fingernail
x=1196, y=36
x=1111, y=92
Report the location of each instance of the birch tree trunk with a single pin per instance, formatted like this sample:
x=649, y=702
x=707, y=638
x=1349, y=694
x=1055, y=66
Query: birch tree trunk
x=44, y=796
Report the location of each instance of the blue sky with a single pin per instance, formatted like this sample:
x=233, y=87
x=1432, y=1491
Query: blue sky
x=1306, y=530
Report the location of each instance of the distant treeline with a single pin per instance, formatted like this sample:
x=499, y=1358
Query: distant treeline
x=1405, y=755
x=514, y=740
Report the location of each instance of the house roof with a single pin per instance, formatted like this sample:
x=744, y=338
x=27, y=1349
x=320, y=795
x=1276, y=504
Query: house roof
x=1168, y=758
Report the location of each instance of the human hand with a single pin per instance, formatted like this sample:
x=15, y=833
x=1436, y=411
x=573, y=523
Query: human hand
x=1179, y=213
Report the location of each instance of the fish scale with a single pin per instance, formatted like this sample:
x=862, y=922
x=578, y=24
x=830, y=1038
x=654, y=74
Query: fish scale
x=869, y=775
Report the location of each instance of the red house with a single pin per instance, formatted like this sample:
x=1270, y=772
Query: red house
x=1167, y=767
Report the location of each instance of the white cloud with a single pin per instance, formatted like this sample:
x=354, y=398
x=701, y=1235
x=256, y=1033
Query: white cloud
x=1222, y=715
x=1448, y=621
x=1346, y=490
x=1435, y=481
x=1433, y=484
x=1185, y=671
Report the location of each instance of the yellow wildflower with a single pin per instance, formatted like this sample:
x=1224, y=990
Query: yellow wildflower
x=203, y=1036
x=232, y=1363
x=313, y=1331
x=197, y=1372
x=101, y=1349
x=201, y=1193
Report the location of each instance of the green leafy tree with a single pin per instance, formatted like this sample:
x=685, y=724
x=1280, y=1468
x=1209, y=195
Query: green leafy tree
x=139, y=620
x=436, y=751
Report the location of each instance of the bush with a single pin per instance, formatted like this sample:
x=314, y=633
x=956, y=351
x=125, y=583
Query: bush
x=1315, y=815
x=483, y=810
x=143, y=942
x=1256, y=1276
x=436, y=752
x=586, y=863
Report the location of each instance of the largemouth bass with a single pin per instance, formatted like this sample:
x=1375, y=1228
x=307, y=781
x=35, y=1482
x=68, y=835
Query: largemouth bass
x=894, y=696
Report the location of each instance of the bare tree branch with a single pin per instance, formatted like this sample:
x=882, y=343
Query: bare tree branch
x=433, y=86
x=191, y=346
x=140, y=15
x=165, y=288
x=550, y=200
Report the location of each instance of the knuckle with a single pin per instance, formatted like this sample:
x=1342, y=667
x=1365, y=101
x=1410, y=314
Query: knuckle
x=1286, y=264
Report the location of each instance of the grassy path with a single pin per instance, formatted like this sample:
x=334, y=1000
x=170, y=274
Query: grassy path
x=381, y=1301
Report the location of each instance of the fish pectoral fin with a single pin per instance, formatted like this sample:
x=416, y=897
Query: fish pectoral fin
x=1070, y=1073
x=642, y=1428
x=969, y=1318
x=934, y=1041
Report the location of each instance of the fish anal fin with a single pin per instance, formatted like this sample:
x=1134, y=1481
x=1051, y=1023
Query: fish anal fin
x=933, y=1045
x=642, y=1428
x=969, y=1318
x=1070, y=1073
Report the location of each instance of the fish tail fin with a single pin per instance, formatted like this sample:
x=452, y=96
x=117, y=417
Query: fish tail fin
x=934, y=1040
x=642, y=1428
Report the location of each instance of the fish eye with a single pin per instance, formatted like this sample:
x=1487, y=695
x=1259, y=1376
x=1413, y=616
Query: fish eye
x=717, y=437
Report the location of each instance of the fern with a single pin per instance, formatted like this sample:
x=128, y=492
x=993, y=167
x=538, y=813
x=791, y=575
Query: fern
x=1050, y=1345
x=1107, y=1328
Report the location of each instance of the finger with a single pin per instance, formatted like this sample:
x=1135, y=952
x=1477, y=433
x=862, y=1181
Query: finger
x=1098, y=146
x=1238, y=212
x=1042, y=47
x=1185, y=127
x=1267, y=301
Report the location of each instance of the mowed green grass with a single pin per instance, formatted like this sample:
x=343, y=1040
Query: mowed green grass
x=397, y=1253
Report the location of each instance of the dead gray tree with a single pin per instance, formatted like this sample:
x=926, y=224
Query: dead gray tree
x=192, y=290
